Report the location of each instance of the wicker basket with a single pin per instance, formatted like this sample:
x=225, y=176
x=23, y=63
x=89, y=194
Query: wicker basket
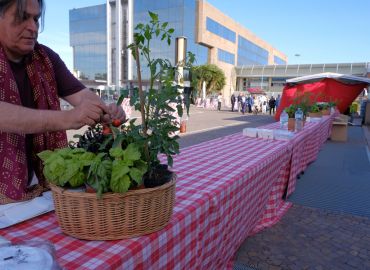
x=114, y=216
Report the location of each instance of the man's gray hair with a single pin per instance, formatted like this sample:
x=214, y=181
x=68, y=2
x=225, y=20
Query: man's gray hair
x=21, y=7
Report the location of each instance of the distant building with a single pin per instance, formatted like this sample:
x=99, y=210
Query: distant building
x=271, y=78
x=104, y=31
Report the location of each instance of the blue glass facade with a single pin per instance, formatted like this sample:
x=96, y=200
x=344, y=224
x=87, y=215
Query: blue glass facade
x=279, y=61
x=220, y=30
x=250, y=53
x=180, y=14
x=226, y=57
x=88, y=37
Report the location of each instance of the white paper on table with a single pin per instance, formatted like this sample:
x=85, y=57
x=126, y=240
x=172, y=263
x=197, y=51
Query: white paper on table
x=14, y=213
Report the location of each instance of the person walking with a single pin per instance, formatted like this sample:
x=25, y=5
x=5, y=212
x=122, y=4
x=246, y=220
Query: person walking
x=233, y=99
x=219, y=100
x=239, y=102
x=277, y=102
x=272, y=104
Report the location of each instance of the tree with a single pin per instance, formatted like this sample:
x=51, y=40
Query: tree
x=212, y=75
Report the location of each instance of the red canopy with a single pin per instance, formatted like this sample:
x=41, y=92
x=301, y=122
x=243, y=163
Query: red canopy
x=325, y=90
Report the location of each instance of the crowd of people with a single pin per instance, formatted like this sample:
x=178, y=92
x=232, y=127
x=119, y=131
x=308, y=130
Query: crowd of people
x=247, y=103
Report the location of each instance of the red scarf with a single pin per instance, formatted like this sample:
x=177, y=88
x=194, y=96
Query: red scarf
x=13, y=164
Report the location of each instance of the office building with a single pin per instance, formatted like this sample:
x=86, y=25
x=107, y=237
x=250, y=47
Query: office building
x=211, y=35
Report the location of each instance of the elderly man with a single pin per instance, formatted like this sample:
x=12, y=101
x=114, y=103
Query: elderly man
x=32, y=78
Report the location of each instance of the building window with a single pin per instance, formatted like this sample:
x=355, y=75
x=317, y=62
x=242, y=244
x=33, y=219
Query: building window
x=250, y=53
x=226, y=57
x=220, y=30
x=88, y=38
x=279, y=61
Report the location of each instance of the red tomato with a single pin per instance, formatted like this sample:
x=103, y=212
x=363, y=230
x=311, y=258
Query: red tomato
x=116, y=122
x=106, y=130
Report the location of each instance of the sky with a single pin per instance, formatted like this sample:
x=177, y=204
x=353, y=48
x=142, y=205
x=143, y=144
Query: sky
x=307, y=31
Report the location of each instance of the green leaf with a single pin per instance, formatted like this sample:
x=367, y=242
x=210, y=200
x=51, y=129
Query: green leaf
x=132, y=152
x=139, y=26
x=164, y=25
x=120, y=185
x=44, y=155
x=118, y=140
x=77, y=180
x=73, y=168
x=169, y=160
x=153, y=16
x=171, y=30
x=116, y=152
x=141, y=165
x=137, y=175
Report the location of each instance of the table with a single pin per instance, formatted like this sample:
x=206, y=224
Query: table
x=227, y=189
x=305, y=147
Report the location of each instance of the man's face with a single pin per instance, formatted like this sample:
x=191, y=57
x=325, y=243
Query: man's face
x=19, y=35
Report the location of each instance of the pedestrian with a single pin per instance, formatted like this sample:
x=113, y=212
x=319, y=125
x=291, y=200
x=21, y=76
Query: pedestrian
x=33, y=78
x=272, y=104
x=219, y=100
x=233, y=99
x=277, y=101
x=239, y=102
x=243, y=104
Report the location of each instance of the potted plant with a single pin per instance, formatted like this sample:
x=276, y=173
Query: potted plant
x=115, y=161
x=314, y=111
x=324, y=108
x=291, y=113
x=158, y=106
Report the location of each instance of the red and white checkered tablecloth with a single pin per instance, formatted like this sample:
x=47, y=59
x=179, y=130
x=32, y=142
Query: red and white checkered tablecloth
x=227, y=189
x=222, y=190
x=306, y=145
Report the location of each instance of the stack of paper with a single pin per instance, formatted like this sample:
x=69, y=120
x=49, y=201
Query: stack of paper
x=13, y=213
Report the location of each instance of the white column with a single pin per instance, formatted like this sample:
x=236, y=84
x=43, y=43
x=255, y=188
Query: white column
x=117, y=56
x=130, y=27
x=180, y=56
x=109, y=43
x=204, y=90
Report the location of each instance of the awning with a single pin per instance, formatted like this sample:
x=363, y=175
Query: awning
x=256, y=91
x=344, y=78
x=323, y=87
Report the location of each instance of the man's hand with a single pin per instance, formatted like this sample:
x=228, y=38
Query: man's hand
x=115, y=113
x=88, y=112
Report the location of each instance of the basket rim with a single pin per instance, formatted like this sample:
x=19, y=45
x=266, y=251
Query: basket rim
x=109, y=195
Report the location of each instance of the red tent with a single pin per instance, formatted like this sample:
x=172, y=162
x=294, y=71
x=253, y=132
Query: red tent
x=323, y=87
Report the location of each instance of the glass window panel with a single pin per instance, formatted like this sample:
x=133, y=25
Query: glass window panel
x=220, y=30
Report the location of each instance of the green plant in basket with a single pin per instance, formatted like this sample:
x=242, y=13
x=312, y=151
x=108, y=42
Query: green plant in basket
x=159, y=104
x=116, y=159
x=107, y=163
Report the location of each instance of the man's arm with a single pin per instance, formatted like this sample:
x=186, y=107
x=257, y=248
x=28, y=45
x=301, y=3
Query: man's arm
x=19, y=119
x=87, y=111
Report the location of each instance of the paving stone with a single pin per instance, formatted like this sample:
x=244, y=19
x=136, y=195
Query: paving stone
x=308, y=238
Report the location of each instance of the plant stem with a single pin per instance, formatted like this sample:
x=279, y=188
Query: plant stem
x=142, y=103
